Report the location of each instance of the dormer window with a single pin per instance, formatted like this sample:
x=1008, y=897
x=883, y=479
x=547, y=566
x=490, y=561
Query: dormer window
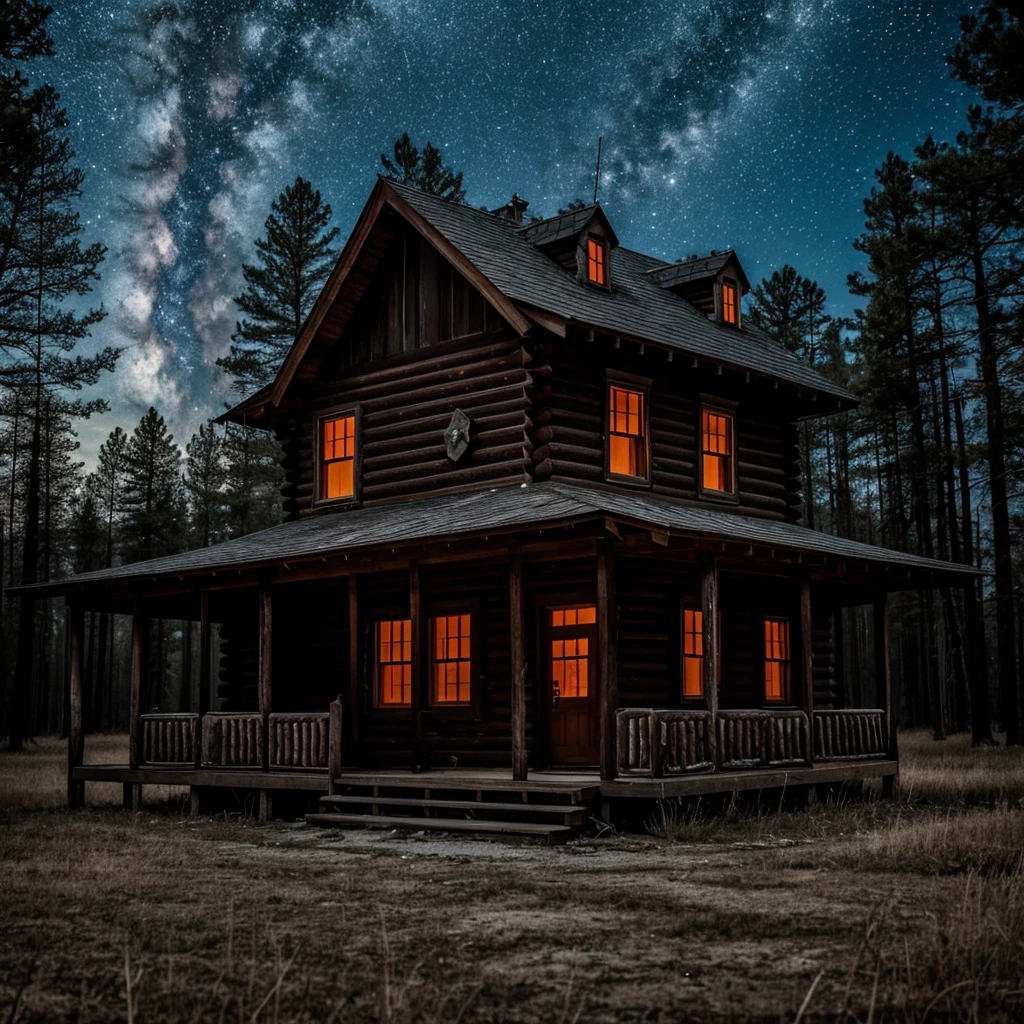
x=338, y=444
x=730, y=309
x=597, y=261
x=627, y=433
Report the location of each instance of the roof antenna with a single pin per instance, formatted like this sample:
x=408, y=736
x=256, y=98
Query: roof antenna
x=597, y=171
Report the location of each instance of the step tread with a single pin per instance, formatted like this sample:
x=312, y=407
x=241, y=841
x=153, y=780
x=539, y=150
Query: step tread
x=454, y=805
x=528, y=828
x=437, y=780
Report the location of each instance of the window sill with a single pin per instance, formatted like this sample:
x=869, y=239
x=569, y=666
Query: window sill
x=327, y=503
x=638, y=482
x=721, y=497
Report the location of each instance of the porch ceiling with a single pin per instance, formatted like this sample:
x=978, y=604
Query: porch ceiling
x=481, y=515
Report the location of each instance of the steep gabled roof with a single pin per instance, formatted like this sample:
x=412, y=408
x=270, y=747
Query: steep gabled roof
x=566, y=225
x=498, y=258
x=699, y=269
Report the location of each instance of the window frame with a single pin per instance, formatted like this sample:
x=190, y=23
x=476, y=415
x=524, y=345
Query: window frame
x=376, y=706
x=628, y=382
x=734, y=284
x=687, y=604
x=473, y=710
x=356, y=411
x=602, y=244
x=717, y=407
x=786, y=700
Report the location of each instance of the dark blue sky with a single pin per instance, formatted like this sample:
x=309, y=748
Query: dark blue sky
x=754, y=124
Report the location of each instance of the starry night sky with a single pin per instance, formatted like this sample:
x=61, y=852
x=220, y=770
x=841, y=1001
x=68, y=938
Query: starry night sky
x=753, y=124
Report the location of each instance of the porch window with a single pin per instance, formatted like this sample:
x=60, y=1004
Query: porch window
x=394, y=664
x=627, y=432
x=451, y=668
x=716, y=430
x=776, y=661
x=570, y=655
x=693, y=654
x=730, y=313
x=597, y=261
x=338, y=457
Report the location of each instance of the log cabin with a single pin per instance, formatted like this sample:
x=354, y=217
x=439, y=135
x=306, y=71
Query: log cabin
x=541, y=555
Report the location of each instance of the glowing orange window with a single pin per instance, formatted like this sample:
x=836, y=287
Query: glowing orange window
x=627, y=432
x=394, y=663
x=338, y=458
x=776, y=661
x=716, y=447
x=569, y=660
x=729, y=310
x=693, y=653
x=452, y=661
x=585, y=616
x=597, y=272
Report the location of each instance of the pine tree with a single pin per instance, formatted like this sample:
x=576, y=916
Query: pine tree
x=152, y=497
x=425, y=171
x=204, y=481
x=253, y=479
x=779, y=307
x=293, y=259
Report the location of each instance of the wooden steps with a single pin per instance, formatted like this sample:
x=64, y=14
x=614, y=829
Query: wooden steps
x=554, y=814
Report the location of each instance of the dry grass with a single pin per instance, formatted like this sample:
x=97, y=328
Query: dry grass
x=907, y=911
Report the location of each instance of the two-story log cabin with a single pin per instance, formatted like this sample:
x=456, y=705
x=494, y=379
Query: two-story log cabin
x=542, y=545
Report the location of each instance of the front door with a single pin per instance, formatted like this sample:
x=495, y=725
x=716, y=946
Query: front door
x=571, y=655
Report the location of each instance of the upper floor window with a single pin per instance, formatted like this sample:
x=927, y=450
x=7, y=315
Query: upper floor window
x=693, y=653
x=338, y=457
x=730, y=309
x=452, y=660
x=393, y=664
x=597, y=261
x=627, y=432
x=776, y=661
x=716, y=431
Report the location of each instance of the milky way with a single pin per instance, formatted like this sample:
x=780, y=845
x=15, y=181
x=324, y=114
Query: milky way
x=746, y=123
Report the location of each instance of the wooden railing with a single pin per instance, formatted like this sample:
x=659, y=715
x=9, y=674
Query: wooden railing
x=169, y=738
x=299, y=740
x=233, y=739
x=852, y=734
x=663, y=742
x=749, y=739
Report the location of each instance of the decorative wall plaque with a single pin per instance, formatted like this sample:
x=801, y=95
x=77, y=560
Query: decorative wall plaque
x=456, y=436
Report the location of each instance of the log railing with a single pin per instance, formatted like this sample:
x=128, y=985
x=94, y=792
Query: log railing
x=663, y=742
x=169, y=738
x=233, y=739
x=749, y=739
x=299, y=740
x=851, y=734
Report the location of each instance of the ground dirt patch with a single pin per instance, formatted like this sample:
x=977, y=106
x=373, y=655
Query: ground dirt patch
x=910, y=910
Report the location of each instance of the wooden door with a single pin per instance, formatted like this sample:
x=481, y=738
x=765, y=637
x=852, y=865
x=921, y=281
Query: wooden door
x=571, y=655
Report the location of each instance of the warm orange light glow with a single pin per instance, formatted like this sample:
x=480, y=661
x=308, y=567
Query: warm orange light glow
x=627, y=441
x=452, y=659
x=716, y=447
x=394, y=663
x=574, y=616
x=729, y=303
x=596, y=261
x=569, y=661
x=776, y=660
x=693, y=653
x=337, y=458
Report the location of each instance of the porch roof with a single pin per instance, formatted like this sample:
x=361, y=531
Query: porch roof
x=483, y=514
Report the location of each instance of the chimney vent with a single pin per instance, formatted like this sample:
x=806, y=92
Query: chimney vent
x=513, y=210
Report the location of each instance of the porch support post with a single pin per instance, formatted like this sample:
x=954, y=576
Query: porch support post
x=266, y=606
x=807, y=661
x=607, y=652
x=76, y=735
x=353, y=656
x=416, y=621
x=884, y=683
x=138, y=679
x=516, y=634
x=709, y=646
x=201, y=685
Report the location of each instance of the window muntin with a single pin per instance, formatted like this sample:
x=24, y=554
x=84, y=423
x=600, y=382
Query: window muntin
x=338, y=457
x=627, y=432
x=730, y=312
x=716, y=431
x=393, y=681
x=451, y=664
x=569, y=663
x=693, y=653
x=777, y=665
x=597, y=261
